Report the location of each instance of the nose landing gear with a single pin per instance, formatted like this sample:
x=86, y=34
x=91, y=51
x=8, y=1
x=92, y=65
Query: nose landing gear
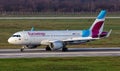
x=22, y=49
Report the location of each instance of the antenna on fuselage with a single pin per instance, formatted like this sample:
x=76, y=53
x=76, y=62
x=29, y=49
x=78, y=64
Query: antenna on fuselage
x=32, y=29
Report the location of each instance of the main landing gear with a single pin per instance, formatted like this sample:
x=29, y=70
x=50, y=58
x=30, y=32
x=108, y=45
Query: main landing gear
x=64, y=49
x=48, y=48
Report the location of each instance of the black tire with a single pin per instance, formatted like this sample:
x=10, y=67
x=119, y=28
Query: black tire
x=48, y=48
x=21, y=49
x=64, y=49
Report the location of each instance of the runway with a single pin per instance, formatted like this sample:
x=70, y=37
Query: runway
x=73, y=52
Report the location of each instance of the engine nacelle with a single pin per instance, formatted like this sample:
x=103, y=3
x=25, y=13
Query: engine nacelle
x=31, y=46
x=56, y=45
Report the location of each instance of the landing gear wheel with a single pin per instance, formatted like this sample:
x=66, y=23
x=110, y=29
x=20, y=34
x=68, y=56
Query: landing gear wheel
x=21, y=49
x=64, y=49
x=48, y=48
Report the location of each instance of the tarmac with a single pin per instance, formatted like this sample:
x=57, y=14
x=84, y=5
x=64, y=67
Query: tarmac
x=72, y=52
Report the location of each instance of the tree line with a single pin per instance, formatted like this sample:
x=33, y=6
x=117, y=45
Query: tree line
x=58, y=5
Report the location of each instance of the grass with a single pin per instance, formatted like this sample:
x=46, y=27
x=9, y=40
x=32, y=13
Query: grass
x=8, y=27
x=61, y=64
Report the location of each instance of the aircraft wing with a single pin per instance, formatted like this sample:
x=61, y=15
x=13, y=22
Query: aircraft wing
x=80, y=39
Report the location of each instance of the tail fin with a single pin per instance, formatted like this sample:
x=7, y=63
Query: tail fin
x=97, y=27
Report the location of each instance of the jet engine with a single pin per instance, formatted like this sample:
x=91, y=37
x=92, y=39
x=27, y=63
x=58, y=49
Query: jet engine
x=56, y=45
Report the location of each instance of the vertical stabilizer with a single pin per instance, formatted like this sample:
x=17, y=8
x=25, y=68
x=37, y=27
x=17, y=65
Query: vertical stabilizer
x=97, y=27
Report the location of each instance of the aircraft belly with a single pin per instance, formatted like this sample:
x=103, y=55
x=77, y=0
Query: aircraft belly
x=77, y=42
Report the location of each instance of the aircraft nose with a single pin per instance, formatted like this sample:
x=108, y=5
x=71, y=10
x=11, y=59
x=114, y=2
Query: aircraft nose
x=10, y=40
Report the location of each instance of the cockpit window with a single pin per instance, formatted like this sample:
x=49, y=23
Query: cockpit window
x=16, y=36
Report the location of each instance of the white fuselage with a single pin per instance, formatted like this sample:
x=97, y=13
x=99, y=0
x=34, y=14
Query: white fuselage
x=39, y=37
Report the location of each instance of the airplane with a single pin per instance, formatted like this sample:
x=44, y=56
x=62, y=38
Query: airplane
x=58, y=39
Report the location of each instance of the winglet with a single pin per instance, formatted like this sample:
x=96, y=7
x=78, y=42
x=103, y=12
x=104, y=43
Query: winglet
x=109, y=33
x=32, y=29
